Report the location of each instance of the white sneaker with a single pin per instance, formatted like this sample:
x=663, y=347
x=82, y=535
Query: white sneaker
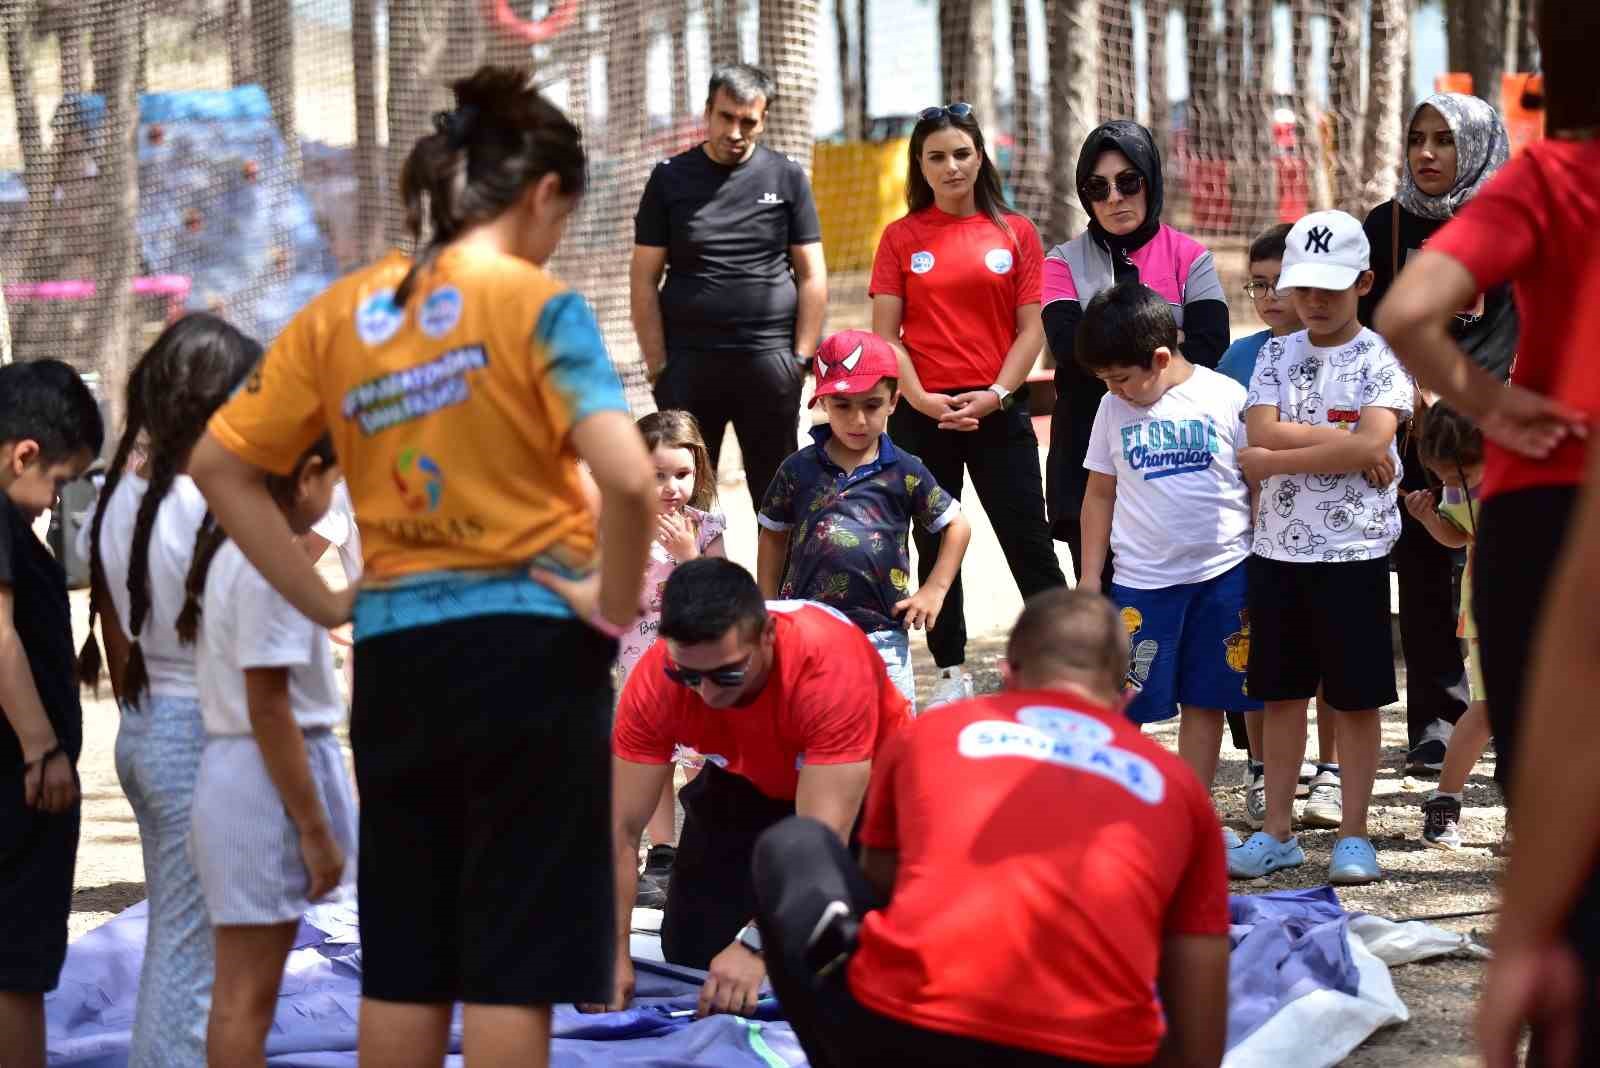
x=1325, y=804
x=953, y=685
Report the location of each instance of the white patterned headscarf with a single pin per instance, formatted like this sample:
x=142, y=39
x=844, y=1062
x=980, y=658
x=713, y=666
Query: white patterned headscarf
x=1482, y=148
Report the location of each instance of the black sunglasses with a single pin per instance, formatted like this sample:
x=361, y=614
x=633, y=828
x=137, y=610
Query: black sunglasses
x=727, y=676
x=960, y=110
x=1098, y=187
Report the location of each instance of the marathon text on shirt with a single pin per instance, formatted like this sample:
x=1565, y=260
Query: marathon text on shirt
x=401, y=396
x=1163, y=447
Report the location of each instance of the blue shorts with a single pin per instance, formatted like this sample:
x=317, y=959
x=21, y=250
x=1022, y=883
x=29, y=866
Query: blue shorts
x=1190, y=646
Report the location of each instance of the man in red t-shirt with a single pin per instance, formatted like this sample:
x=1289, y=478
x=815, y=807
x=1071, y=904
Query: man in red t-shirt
x=787, y=703
x=1056, y=891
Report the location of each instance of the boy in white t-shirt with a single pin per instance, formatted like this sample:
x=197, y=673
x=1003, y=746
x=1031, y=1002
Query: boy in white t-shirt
x=1166, y=495
x=1324, y=407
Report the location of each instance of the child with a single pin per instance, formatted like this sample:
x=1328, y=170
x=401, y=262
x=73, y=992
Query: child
x=50, y=431
x=462, y=387
x=1166, y=498
x=1276, y=310
x=685, y=529
x=274, y=818
x=840, y=510
x=1324, y=406
x=141, y=545
x=1451, y=448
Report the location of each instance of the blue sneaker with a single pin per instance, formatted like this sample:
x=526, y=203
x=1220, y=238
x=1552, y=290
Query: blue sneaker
x=1230, y=838
x=1262, y=855
x=1354, y=862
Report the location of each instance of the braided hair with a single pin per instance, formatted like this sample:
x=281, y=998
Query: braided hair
x=193, y=367
x=90, y=659
x=212, y=537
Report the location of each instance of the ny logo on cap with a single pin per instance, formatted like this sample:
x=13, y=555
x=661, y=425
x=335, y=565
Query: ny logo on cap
x=1319, y=239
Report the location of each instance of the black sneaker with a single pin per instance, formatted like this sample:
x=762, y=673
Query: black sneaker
x=656, y=876
x=1441, y=823
x=1426, y=758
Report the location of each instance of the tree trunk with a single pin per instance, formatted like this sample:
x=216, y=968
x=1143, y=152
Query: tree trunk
x=236, y=31
x=70, y=37
x=110, y=334
x=1263, y=185
x=1308, y=124
x=1385, y=138
x=1475, y=35
x=862, y=65
x=849, y=88
x=1027, y=171
x=1344, y=101
x=372, y=192
x=1116, y=99
x=1202, y=54
x=726, y=45
x=273, y=24
x=1072, y=109
x=678, y=16
x=18, y=15
x=416, y=47
x=788, y=41
x=1155, y=35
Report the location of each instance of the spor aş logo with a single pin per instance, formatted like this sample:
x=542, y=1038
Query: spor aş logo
x=419, y=479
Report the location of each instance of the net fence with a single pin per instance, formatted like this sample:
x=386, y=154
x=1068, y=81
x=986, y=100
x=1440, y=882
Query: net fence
x=238, y=155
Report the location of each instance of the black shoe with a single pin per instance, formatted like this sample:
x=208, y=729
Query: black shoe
x=656, y=876
x=1441, y=823
x=1426, y=758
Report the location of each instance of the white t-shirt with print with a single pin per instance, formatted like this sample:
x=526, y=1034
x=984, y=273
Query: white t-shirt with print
x=1183, y=509
x=168, y=662
x=338, y=528
x=247, y=624
x=1328, y=518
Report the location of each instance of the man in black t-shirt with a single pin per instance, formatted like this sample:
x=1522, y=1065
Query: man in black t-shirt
x=730, y=335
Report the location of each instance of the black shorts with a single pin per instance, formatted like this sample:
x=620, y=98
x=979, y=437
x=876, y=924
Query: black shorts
x=482, y=754
x=1322, y=623
x=38, y=853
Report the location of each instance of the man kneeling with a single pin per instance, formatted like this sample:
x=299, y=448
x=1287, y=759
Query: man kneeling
x=786, y=704
x=1056, y=890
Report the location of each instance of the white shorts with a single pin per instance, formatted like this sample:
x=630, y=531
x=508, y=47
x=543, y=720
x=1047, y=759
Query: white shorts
x=246, y=848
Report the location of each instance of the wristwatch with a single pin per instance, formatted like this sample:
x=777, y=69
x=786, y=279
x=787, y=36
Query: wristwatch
x=750, y=938
x=1007, y=397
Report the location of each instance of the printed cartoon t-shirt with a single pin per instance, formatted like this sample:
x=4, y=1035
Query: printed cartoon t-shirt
x=1328, y=518
x=1183, y=509
x=450, y=416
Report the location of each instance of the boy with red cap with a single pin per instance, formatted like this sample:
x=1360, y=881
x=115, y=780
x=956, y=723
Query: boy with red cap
x=836, y=521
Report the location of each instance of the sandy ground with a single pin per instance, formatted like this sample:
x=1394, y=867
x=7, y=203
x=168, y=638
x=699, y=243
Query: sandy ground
x=1420, y=882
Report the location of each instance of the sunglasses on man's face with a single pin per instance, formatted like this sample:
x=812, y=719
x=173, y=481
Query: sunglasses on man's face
x=960, y=110
x=727, y=676
x=1128, y=183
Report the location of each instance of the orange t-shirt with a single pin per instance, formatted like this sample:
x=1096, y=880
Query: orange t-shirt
x=450, y=416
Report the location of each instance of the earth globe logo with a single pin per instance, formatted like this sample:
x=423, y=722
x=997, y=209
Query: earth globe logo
x=419, y=480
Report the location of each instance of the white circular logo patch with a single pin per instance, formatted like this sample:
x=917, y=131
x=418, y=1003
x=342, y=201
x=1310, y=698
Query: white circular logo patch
x=440, y=312
x=998, y=260
x=921, y=262
x=1065, y=724
x=378, y=318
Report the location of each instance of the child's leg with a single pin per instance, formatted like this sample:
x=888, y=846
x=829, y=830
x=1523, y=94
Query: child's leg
x=1283, y=750
x=1360, y=739
x=244, y=997
x=1200, y=741
x=663, y=825
x=1327, y=727
x=397, y=1034
x=21, y=1029
x=1253, y=722
x=1467, y=743
x=506, y=1036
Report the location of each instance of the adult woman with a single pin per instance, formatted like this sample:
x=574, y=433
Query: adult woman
x=955, y=287
x=461, y=388
x=1454, y=144
x=1120, y=186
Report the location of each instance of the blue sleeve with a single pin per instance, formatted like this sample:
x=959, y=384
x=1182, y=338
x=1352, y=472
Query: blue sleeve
x=778, y=508
x=931, y=506
x=579, y=366
x=1239, y=362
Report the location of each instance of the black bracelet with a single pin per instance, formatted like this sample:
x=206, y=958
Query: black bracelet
x=55, y=751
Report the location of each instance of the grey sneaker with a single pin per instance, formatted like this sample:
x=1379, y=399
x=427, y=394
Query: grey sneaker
x=1441, y=823
x=953, y=685
x=1255, y=802
x=1325, y=803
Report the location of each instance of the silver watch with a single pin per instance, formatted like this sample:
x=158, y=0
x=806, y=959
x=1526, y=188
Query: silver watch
x=750, y=938
x=1007, y=397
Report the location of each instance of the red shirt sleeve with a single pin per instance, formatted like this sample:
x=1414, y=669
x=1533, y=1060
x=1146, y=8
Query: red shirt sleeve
x=888, y=276
x=1496, y=236
x=879, y=827
x=1200, y=905
x=835, y=704
x=1030, y=261
x=643, y=731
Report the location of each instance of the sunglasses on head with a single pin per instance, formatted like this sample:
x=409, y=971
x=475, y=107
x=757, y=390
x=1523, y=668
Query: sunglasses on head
x=1098, y=187
x=727, y=676
x=960, y=110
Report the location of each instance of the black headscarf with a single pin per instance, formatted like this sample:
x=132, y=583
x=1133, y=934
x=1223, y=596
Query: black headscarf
x=1135, y=142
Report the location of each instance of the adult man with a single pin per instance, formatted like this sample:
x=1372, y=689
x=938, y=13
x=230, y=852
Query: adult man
x=731, y=333
x=1055, y=890
x=787, y=703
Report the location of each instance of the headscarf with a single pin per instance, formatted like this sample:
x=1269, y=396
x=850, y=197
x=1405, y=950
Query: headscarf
x=1135, y=142
x=1482, y=148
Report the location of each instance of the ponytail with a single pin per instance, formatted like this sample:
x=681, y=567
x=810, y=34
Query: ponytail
x=90, y=660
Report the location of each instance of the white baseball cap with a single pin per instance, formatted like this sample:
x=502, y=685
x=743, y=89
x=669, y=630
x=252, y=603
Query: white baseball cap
x=1325, y=250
